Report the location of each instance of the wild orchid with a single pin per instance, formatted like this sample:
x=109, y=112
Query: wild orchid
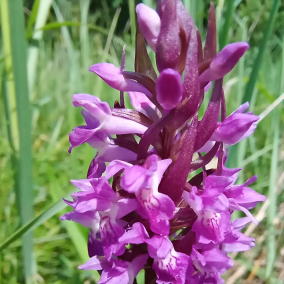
x=143, y=210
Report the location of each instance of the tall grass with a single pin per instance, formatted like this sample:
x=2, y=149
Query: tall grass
x=66, y=47
x=23, y=177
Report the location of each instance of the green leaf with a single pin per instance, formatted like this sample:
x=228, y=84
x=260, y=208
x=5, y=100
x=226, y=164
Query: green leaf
x=24, y=183
x=33, y=15
x=33, y=224
x=260, y=56
x=58, y=25
x=223, y=38
x=272, y=195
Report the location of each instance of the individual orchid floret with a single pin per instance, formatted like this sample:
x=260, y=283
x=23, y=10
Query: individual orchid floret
x=236, y=126
x=144, y=182
x=212, y=225
x=98, y=197
x=100, y=122
x=211, y=264
x=236, y=241
x=169, y=89
x=171, y=267
x=243, y=198
x=114, y=78
x=150, y=24
x=114, y=270
x=224, y=62
x=107, y=150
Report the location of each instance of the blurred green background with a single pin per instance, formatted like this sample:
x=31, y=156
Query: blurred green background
x=46, y=49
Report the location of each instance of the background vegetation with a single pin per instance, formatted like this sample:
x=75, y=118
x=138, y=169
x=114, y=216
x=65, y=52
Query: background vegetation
x=46, y=48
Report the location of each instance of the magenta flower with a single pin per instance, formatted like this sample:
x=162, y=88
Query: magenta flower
x=116, y=271
x=142, y=209
x=236, y=126
x=143, y=182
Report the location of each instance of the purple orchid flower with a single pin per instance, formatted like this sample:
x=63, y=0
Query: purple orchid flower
x=144, y=182
x=150, y=215
x=97, y=206
x=236, y=126
x=114, y=270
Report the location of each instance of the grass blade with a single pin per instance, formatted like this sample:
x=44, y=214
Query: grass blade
x=11, y=97
x=272, y=195
x=24, y=176
x=223, y=38
x=107, y=46
x=259, y=58
x=30, y=226
x=131, y=7
x=84, y=33
x=39, y=16
x=74, y=72
x=150, y=3
x=271, y=107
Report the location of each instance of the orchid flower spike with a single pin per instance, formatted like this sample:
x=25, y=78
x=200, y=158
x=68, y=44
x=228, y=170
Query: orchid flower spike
x=141, y=209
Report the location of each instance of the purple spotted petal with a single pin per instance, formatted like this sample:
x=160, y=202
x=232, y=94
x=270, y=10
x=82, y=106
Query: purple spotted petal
x=211, y=227
x=111, y=231
x=149, y=23
x=170, y=266
x=144, y=182
x=152, y=205
x=113, y=77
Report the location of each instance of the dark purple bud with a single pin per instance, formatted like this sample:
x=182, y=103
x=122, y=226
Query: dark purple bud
x=168, y=44
x=169, y=89
x=224, y=62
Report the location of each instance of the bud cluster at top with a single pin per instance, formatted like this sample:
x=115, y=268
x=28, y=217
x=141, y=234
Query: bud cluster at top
x=151, y=216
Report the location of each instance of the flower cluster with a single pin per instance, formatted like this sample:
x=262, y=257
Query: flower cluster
x=152, y=216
